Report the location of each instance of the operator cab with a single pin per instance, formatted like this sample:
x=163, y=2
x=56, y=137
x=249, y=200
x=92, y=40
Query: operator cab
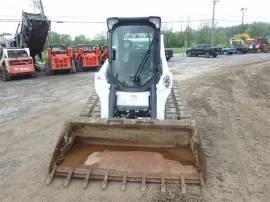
x=84, y=46
x=17, y=53
x=134, y=64
x=57, y=47
x=135, y=81
x=134, y=58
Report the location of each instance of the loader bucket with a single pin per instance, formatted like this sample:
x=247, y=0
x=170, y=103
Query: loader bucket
x=126, y=150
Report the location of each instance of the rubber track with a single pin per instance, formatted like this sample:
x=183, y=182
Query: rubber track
x=176, y=107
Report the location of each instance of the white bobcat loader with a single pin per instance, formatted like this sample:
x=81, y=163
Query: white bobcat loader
x=136, y=128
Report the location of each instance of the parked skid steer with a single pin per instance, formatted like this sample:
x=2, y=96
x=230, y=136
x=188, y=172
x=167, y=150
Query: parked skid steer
x=86, y=57
x=59, y=59
x=14, y=62
x=137, y=127
x=104, y=54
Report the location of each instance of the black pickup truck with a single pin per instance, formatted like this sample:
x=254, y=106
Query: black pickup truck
x=202, y=49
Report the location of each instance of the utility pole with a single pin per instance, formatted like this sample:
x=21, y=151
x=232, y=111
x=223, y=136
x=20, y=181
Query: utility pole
x=182, y=36
x=213, y=22
x=187, y=28
x=243, y=14
x=243, y=10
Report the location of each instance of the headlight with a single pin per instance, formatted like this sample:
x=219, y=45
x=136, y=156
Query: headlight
x=167, y=81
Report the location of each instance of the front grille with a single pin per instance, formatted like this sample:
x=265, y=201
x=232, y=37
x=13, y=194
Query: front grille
x=60, y=63
x=90, y=61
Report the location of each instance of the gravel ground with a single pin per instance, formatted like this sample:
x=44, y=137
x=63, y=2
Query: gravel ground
x=229, y=97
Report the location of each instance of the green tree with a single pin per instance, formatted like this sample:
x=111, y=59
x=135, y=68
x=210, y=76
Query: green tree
x=63, y=39
x=220, y=37
x=203, y=35
x=100, y=39
x=258, y=29
x=172, y=39
x=81, y=39
x=5, y=34
x=189, y=35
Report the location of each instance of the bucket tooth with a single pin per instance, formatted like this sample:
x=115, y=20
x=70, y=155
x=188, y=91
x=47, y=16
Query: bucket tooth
x=67, y=180
x=203, y=185
x=163, y=184
x=51, y=175
x=105, y=180
x=143, y=184
x=87, y=177
x=183, y=185
x=124, y=182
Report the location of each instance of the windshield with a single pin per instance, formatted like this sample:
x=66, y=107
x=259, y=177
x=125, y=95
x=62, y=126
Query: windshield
x=58, y=47
x=17, y=53
x=130, y=44
x=236, y=42
x=85, y=47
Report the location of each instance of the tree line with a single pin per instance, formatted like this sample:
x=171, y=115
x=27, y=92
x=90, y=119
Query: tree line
x=178, y=39
x=68, y=41
x=173, y=39
x=190, y=37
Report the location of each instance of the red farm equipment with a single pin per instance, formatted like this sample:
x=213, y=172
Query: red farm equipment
x=16, y=61
x=86, y=57
x=59, y=59
x=258, y=45
x=263, y=44
x=104, y=54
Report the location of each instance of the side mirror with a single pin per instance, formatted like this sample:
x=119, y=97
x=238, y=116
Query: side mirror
x=113, y=54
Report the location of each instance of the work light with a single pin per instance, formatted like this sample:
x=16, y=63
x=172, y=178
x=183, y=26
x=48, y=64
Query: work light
x=111, y=22
x=156, y=21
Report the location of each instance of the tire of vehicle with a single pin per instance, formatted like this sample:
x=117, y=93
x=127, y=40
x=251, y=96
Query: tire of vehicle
x=78, y=64
x=206, y=54
x=73, y=67
x=102, y=61
x=214, y=55
x=33, y=75
x=5, y=74
x=238, y=51
x=37, y=68
x=189, y=54
x=225, y=52
x=48, y=68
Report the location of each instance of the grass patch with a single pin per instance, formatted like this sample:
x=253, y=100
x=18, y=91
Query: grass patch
x=178, y=50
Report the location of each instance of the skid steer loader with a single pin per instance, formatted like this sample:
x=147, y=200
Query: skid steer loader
x=59, y=59
x=15, y=62
x=137, y=127
x=86, y=57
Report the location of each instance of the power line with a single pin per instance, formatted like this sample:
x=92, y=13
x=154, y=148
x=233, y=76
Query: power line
x=102, y=22
x=57, y=21
x=200, y=20
x=104, y=17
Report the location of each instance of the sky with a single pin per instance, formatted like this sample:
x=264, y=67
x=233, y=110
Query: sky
x=228, y=12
